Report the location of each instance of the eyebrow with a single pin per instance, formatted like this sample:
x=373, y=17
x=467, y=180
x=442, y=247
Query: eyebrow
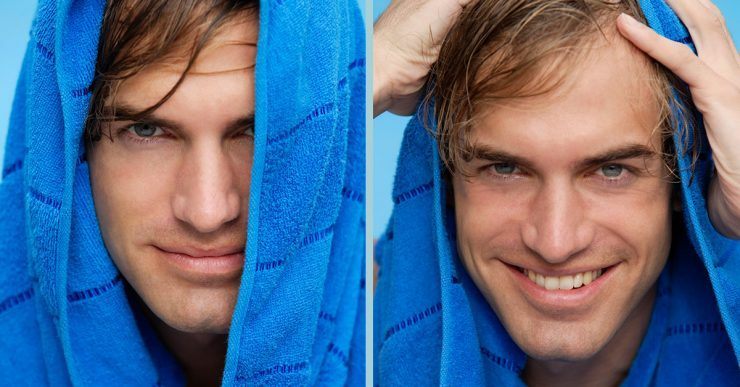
x=125, y=112
x=624, y=152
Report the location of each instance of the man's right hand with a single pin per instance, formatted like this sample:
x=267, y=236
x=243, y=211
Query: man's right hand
x=406, y=42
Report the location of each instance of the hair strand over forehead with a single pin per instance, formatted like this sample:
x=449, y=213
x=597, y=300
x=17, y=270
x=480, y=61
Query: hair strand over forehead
x=503, y=49
x=138, y=33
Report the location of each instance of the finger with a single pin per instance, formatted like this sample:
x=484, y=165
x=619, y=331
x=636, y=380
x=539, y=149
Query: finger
x=677, y=57
x=708, y=31
x=728, y=37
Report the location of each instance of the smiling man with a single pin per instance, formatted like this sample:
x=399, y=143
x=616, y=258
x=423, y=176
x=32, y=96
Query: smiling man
x=570, y=262
x=540, y=238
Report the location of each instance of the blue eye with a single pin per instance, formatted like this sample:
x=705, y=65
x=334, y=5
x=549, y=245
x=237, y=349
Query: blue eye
x=504, y=168
x=612, y=170
x=144, y=129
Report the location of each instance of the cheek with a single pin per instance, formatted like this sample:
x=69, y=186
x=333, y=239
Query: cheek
x=486, y=218
x=640, y=219
x=242, y=159
x=129, y=190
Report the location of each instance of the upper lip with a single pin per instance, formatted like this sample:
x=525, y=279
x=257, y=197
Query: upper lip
x=562, y=271
x=203, y=252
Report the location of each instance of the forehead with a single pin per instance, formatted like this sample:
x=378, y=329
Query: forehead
x=605, y=100
x=229, y=53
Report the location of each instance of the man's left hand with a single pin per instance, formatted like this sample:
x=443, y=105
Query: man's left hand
x=713, y=76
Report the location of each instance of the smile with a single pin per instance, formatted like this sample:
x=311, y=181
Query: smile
x=565, y=282
x=557, y=292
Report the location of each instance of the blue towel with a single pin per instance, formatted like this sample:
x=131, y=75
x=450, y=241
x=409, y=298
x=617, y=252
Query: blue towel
x=64, y=314
x=433, y=327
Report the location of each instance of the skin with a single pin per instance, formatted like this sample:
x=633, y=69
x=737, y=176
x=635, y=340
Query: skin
x=183, y=185
x=552, y=213
x=403, y=52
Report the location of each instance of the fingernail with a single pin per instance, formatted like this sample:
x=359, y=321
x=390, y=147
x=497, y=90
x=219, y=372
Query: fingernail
x=630, y=20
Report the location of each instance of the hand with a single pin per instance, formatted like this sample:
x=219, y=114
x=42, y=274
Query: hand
x=406, y=42
x=714, y=80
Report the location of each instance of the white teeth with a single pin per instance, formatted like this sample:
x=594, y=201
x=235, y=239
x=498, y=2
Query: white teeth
x=566, y=282
x=578, y=280
x=587, y=278
x=552, y=283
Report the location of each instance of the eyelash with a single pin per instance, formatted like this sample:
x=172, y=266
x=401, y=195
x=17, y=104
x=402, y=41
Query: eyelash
x=127, y=132
x=490, y=169
x=129, y=135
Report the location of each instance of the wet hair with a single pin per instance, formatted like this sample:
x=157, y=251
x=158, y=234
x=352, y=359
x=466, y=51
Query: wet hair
x=138, y=33
x=503, y=49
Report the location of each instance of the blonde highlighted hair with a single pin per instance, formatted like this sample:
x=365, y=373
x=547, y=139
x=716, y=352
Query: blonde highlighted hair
x=504, y=49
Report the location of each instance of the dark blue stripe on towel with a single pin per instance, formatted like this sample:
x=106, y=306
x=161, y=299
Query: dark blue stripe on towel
x=316, y=113
x=16, y=300
x=703, y=327
x=501, y=361
x=94, y=292
x=16, y=166
x=353, y=195
x=413, y=320
x=413, y=192
x=276, y=369
x=317, y=236
x=48, y=200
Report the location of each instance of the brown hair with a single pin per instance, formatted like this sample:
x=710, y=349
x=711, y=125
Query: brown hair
x=503, y=49
x=138, y=33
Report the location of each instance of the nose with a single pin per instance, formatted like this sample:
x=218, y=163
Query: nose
x=207, y=194
x=557, y=228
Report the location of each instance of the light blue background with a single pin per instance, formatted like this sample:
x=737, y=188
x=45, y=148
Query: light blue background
x=15, y=24
x=388, y=129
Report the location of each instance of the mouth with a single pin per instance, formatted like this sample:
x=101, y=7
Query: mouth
x=205, y=265
x=564, y=282
x=555, y=293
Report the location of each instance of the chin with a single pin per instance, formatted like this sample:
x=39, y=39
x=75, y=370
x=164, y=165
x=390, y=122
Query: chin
x=206, y=312
x=217, y=322
x=561, y=341
x=567, y=352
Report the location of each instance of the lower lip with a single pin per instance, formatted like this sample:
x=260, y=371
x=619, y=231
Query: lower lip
x=208, y=267
x=561, y=300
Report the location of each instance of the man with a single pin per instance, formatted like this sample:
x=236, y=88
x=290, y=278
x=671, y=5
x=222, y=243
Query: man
x=556, y=139
x=136, y=273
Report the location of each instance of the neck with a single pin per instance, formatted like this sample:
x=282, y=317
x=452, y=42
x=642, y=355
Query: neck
x=608, y=367
x=201, y=355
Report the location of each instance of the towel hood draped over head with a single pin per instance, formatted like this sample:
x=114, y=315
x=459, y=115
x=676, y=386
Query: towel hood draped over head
x=433, y=327
x=299, y=320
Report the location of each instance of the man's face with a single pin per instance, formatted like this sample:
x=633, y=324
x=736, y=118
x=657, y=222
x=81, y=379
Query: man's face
x=171, y=193
x=565, y=223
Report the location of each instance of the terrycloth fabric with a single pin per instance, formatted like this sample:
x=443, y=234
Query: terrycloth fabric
x=64, y=314
x=432, y=326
